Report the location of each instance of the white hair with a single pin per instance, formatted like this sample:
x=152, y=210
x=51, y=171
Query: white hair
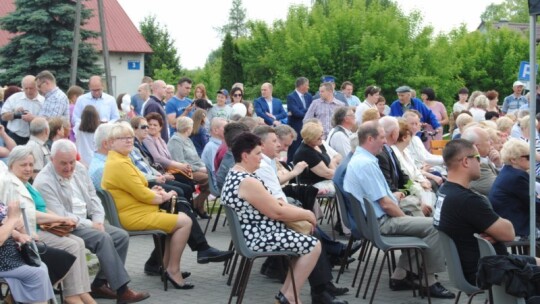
x=62, y=145
x=102, y=134
x=18, y=153
x=389, y=124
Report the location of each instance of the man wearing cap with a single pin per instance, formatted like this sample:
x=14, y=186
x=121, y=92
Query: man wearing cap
x=406, y=102
x=179, y=104
x=268, y=108
x=337, y=94
x=514, y=101
x=221, y=109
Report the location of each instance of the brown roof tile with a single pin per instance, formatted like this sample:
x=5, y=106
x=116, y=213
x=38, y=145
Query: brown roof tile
x=122, y=35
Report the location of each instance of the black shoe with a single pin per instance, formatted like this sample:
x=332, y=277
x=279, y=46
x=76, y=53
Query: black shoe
x=203, y=215
x=355, y=247
x=438, y=291
x=326, y=298
x=336, y=291
x=152, y=270
x=281, y=299
x=213, y=255
x=336, y=261
x=339, y=229
x=275, y=274
x=186, y=285
x=404, y=284
x=156, y=271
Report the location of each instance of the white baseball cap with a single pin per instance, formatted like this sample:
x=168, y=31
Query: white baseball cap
x=518, y=83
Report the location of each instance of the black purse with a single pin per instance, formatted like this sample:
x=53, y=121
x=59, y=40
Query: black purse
x=29, y=255
x=171, y=206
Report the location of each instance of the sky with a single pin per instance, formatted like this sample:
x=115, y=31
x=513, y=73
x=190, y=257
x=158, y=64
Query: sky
x=192, y=23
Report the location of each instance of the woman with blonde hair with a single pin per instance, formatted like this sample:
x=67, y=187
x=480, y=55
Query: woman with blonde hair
x=199, y=135
x=138, y=206
x=200, y=93
x=478, y=110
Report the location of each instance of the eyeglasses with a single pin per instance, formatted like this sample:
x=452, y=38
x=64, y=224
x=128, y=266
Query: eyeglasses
x=143, y=127
x=237, y=95
x=477, y=156
x=125, y=139
x=527, y=157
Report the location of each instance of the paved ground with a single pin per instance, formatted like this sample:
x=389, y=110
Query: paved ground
x=210, y=285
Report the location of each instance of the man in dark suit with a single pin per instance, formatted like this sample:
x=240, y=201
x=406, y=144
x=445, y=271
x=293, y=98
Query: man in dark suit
x=391, y=169
x=298, y=101
x=154, y=105
x=269, y=108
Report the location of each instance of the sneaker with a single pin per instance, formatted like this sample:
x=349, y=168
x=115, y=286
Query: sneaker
x=438, y=291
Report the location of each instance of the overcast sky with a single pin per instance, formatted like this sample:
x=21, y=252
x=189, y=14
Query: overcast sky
x=191, y=23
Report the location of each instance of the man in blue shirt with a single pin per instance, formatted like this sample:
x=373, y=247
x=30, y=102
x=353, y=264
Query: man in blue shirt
x=364, y=179
x=180, y=104
x=406, y=102
x=514, y=101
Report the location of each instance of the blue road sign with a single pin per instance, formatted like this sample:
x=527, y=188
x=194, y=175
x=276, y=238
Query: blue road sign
x=134, y=64
x=525, y=71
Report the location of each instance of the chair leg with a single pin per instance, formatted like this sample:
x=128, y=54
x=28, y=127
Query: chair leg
x=234, y=289
x=159, y=246
x=378, y=278
x=244, y=281
x=457, y=297
x=366, y=267
x=344, y=261
x=207, y=208
x=363, y=249
x=217, y=217
x=231, y=270
x=410, y=267
x=371, y=273
x=292, y=279
x=422, y=253
x=226, y=264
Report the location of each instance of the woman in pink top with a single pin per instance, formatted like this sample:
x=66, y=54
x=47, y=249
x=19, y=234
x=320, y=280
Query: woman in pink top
x=438, y=109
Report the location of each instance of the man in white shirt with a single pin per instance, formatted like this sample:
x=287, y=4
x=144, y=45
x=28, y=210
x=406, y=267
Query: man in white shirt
x=339, y=138
x=371, y=95
x=21, y=108
x=104, y=103
x=416, y=148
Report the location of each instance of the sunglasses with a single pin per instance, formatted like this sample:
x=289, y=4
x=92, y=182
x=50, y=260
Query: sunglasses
x=237, y=95
x=527, y=157
x=143, y=127
x=477, y=156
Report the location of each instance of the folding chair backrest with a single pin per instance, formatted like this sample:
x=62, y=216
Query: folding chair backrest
x=342, y=207
x=373, y=225
x=212, y=183
x=486, y=249
x=437, y=146
x=110, y=208
x=236, y=233
x=358, y=216
x=453, y=264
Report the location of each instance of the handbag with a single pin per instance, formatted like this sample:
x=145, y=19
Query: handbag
x=301, y=226
x=176, y=171
x=169, y=206
x=59, y=229
x=30, y=255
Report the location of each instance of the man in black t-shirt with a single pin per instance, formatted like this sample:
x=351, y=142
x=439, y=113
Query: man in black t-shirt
x=460, y=212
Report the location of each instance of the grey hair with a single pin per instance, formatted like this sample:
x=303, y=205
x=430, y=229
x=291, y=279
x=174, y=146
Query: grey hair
x=102, y=134
x=389, y=124
x=38, y=126
x=285, y=130
x=183, y=123
x=472, y=134
x=300, y=81
x=367, y=129
x=217, y=121
x=339, y=116
x=62, y=145
x=18, y=153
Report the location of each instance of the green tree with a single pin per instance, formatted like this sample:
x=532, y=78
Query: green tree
x=237, y=21
x=44, y=41
x=231, y=67
x=164, y=54
x=509, y=10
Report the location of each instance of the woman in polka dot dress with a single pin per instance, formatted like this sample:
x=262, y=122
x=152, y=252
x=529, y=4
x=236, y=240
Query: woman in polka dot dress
x=261, y=216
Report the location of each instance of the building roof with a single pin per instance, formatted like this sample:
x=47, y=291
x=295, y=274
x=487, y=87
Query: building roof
x=122, y=35
x=519, y=27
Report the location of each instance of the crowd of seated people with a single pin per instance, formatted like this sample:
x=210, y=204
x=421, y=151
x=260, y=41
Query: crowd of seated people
x=90, y=147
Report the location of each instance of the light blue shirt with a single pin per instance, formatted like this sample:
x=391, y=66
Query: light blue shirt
x=209, y=153
x=512, y=104
x=353, y=101
x=364, y=179
x=105, y=106
x=95, y=169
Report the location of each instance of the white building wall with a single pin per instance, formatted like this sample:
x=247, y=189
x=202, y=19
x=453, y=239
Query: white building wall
x=127, y=71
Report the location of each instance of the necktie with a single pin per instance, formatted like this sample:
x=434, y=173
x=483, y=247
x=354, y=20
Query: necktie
x=393, y=159
x=303, y=100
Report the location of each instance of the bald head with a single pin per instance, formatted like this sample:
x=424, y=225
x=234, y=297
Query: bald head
x=480, y=138
x=29, y=86
x=159, y=89
x=266, y=90
x=95, y=85
x=144, y=91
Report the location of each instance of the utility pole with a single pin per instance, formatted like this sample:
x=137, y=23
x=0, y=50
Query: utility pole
x=76, y=41
x=105, y=47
